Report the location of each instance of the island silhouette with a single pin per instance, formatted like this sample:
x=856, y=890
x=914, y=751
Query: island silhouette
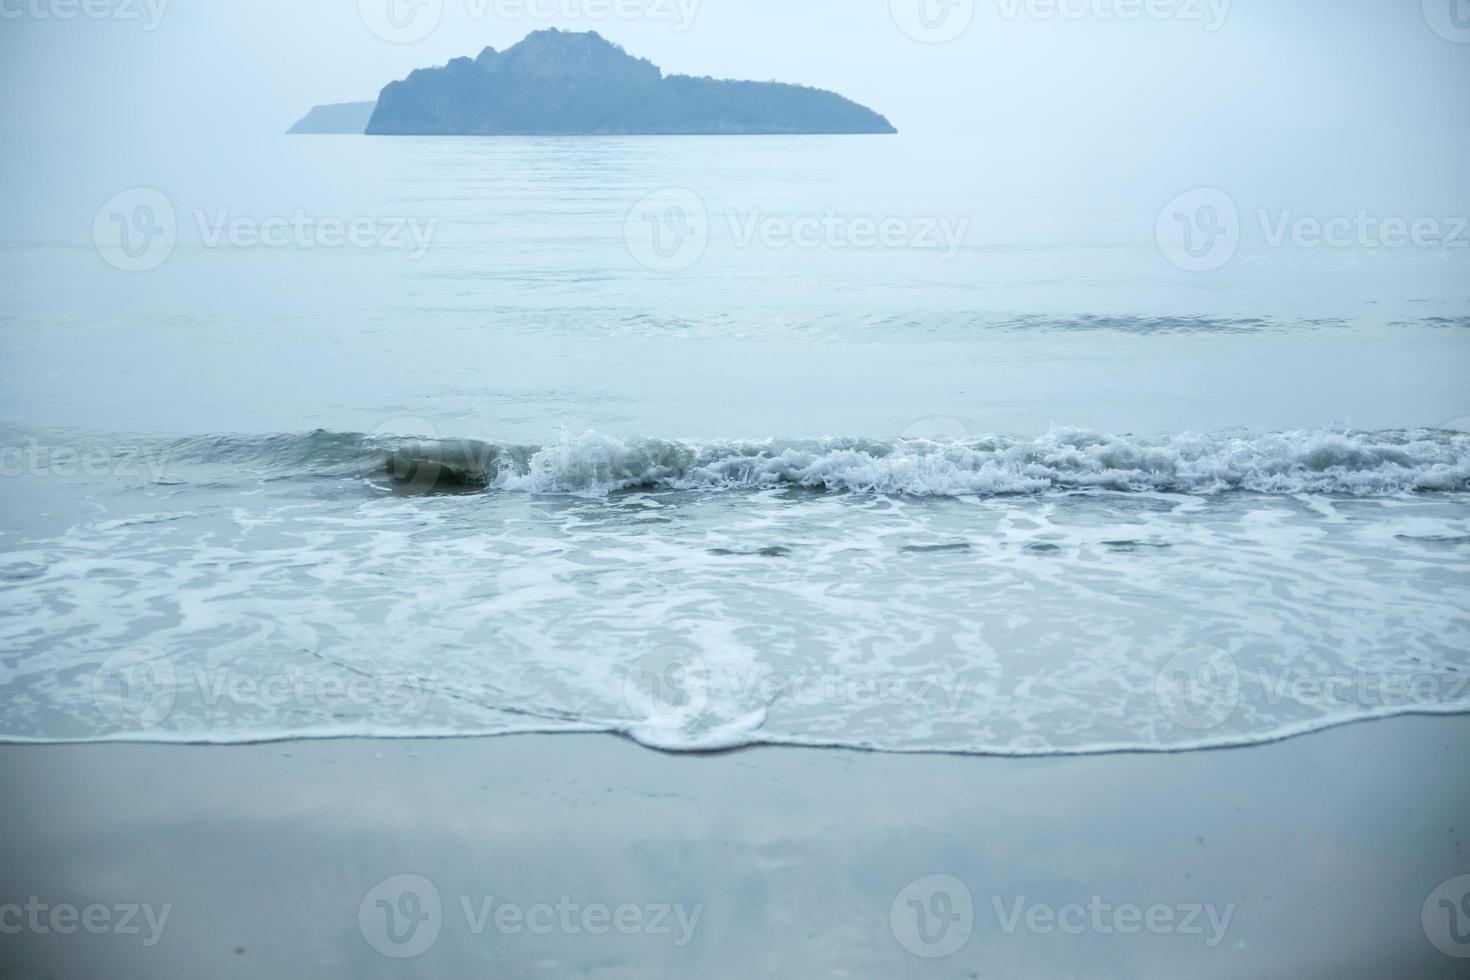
x=565, y=83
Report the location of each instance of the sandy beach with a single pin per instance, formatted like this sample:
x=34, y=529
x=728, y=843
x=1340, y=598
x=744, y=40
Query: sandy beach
x=593, y=857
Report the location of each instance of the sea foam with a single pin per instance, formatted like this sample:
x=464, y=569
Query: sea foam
x=1318, y=461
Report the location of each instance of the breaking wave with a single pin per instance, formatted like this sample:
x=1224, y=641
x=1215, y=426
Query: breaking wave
x=1062, y=460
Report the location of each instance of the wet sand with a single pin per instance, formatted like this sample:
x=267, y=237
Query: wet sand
x=589, y=856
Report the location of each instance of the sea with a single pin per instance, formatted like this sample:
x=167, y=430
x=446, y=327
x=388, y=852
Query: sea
x=865, y=442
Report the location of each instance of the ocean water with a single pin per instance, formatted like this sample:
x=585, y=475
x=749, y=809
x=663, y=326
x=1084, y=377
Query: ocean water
x=832, y=441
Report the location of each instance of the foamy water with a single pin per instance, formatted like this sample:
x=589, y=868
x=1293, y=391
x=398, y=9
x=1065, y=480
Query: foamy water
x=1066, y=459
x=1029, y=498
x=1075, y=592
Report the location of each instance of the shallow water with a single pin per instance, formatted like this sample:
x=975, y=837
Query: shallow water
x=1048, y=493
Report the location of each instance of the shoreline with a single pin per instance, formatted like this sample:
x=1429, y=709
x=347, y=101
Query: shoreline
x=1313, y=856
x=1244, y=742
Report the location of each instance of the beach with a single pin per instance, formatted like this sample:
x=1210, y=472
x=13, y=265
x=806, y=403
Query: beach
x=591, y=856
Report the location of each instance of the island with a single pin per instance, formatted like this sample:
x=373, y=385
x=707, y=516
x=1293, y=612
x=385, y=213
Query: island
x=567, y=83
x=340, y=119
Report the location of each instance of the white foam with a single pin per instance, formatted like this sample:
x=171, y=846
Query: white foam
x=1320, y=461
x=1002, y=624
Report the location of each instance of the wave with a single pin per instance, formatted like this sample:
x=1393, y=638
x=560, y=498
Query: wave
x=1062, y=460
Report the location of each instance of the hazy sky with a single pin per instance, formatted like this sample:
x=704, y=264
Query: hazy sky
x=1205, y=67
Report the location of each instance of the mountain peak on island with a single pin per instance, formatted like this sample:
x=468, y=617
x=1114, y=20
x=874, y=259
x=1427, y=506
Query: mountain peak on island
x=552, y=54
x=571, y=83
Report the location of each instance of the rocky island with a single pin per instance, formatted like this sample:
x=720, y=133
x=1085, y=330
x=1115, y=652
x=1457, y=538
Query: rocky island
x=347, y=117
x=560, y=83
